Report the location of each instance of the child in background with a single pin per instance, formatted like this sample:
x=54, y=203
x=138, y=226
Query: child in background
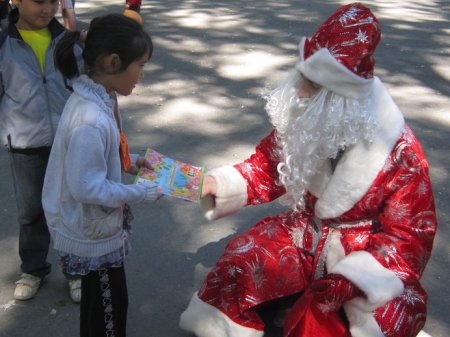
x=83, y=196
x=4, y=11
x=68, y=14
x=32, y=97
x=132, y=10
x=134, y=5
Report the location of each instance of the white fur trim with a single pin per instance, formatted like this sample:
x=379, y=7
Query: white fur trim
x=334, y=248
x=378, y=283
x=361, y=163
x=320, y=180
x=204, y=320
x=322, y=68
x=231, y=193
x=362, y=323
x=423, y=334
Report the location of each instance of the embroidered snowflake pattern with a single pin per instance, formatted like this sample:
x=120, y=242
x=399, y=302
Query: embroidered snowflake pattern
x=398, y=210
x=327, y=306
x=257, y=272
x=270, y=229
x=349, y=15
x=361, y=37
x=234, y=270
x=388, y=252
x=411, y=297
x=422, y=189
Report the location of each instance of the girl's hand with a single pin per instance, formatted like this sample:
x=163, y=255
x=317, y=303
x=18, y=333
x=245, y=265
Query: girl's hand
x=140, y=162
x=152, y=191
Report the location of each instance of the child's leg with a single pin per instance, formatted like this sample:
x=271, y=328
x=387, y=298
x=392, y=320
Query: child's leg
x=28, y=170
x=72, y=268
x=34, y=238
x=104, y=303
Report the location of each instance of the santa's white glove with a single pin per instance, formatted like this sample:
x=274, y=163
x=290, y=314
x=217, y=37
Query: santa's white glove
x=152, y=192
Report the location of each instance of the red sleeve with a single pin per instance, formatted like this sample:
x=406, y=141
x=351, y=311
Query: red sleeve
x=407, y=217
x=260, y=172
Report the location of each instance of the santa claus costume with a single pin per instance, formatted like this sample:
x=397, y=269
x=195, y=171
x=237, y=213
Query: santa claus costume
x=360, y=229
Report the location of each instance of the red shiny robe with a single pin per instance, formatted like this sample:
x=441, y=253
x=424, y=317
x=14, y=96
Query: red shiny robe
x=389, y=232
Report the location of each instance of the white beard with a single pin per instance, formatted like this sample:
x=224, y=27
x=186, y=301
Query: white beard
x=312, y=131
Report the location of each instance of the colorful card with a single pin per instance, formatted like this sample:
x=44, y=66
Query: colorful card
x=177, y=179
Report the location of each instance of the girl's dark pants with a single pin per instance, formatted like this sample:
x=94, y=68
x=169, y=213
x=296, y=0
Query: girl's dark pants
x=104, y=303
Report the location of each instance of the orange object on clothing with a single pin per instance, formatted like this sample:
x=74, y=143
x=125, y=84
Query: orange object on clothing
x=124, y=153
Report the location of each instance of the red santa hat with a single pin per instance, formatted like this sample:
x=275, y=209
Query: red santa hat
x=339, y=56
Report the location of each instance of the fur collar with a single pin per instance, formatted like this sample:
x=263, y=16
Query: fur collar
x=361, y=163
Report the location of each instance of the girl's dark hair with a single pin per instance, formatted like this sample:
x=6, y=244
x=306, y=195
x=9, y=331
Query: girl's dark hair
x=109, y=34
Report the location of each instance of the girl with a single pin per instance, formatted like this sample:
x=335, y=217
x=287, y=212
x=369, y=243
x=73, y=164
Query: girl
x=83, y=197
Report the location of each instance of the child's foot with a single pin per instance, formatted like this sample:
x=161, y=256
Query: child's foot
x=27, y=287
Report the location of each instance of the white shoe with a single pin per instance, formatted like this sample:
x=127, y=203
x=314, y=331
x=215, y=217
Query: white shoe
x=75, y=290
x=27, y=287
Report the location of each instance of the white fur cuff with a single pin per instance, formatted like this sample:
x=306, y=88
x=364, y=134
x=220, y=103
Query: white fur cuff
x=378, y=283
x=231, y=193
x=204, y=320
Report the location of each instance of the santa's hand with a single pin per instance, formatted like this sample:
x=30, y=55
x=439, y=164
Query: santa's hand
x=333, y=290
x=209, y=186
x=209, y=189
